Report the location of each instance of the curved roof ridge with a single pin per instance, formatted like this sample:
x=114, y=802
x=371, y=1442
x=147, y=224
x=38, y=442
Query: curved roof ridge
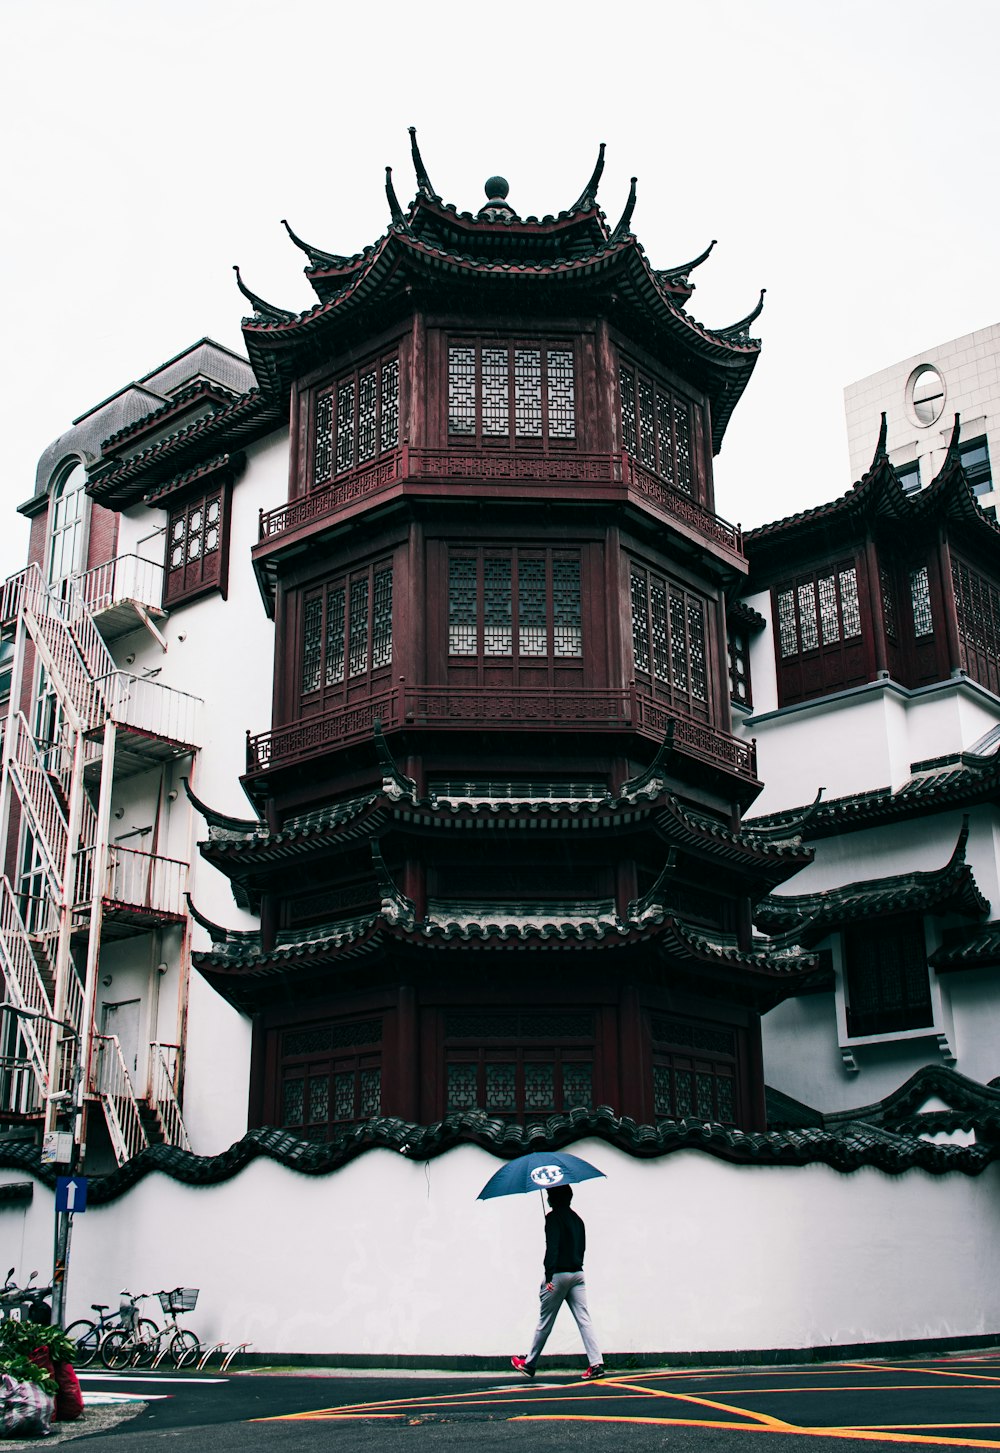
x=317, y=257
x=588, y=196
x=623, y=226
x=680, y=273
x=423, y=180
x=264, y=309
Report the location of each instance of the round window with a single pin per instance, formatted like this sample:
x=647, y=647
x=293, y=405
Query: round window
x=925, y=395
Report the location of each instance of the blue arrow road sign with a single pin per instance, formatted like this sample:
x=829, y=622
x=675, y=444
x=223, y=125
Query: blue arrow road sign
x=71, y=1193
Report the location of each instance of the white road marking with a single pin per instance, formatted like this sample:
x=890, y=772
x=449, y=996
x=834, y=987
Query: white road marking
x=85, y=1376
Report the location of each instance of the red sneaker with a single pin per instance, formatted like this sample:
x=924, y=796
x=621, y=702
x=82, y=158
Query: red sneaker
x=593, y=1373
x=520, y=1365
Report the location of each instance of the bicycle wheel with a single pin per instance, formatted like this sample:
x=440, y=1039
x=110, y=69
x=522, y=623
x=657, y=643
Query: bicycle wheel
x=146, y=1342
x=117, y=1349
x=184, y=1349
x=87, y=1336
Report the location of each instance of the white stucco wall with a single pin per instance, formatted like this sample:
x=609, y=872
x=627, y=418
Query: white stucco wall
x=685, y=1253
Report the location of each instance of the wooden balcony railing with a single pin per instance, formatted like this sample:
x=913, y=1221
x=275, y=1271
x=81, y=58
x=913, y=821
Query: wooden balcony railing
x=616, y=474
x=457, y=708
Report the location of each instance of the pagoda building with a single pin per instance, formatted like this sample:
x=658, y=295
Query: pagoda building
x=496, y=849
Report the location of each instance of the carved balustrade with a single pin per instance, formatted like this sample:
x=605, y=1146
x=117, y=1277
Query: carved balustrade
x=562, y=473
x=458, y=708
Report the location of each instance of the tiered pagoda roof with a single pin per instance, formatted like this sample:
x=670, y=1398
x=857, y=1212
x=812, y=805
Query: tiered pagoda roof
x=879, y=499
x=809, y=917
x=572, y=260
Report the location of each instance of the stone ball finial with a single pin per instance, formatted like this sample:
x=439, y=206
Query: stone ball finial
x=496, y=188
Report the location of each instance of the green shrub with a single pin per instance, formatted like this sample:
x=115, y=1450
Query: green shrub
x=22, y=1369
x=23, y=1337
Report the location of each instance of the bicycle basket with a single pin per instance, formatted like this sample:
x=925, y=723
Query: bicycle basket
x=181, y=1299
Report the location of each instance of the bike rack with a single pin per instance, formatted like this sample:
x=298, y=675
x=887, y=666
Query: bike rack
x=242, y=1347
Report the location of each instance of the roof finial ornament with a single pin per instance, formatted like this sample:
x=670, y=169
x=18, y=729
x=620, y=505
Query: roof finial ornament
x=266, y=311
x=680, y=274
x=739, y=332
x=588, y=196
x=317, y=257
x=497, y=208
x=881, y=453
x=423, y=180
x=625, y=220
x=395, y=210
x=954, y=454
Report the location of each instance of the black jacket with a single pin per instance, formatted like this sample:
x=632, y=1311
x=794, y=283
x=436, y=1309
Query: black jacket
x=565, y=1241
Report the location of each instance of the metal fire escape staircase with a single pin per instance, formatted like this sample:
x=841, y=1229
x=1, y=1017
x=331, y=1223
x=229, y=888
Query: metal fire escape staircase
x=111, y=724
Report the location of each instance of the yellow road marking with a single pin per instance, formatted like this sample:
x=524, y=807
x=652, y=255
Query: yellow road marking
x=862, y=1434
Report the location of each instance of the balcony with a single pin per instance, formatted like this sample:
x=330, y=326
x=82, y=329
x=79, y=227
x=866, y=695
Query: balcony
x=123, y=594
x=573, y=476
x=141, y=890
x=155, y=723
x=464, y=708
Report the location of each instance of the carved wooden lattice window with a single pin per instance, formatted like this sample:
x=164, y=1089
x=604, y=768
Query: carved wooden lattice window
x=657, y=428
x=525, y=1076
x=694, y=1071
x=819, y=642
x=920, y=599
x=505, y=603
x=739, y=664
x=669, y=639
x=356, y=420
x=977, y=604
x=511, y=393
x=346, y=628
x=197, y=547
x=329, y=1075
x=887, y=981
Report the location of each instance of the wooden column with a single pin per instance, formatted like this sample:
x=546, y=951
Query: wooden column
x=876, y=609
x=407, y=1096
x=949, y=607
x=632, y=1055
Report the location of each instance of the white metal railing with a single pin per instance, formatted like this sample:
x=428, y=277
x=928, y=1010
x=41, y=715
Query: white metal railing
x=159, y=711
x=125, y=578
x=135, y=880
x=23, y=985
x=38, y=798
x=164, y=1060
x=113, y=1084
x=20, y=1091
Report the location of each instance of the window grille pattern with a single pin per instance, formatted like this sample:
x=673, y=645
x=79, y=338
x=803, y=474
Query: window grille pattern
x=498, y=630
x=323, y=442
x=668, y=637
x=346, y=623
x=194, y=547
x=697, y=1036
x=657, y=428
x=358, y=627
x=824, y=609
x=739, y=665
x=888, y=604
x=345, y=426
x=515, y=603
x=977, y=603
x=512, y=392
x=343, y=1106
x=370, y=1093
x=694, y=1070
x=920, y=599
x=462, y=390
x=888, y=986
x=329, y=1078
x=336, y=600
x=519, y=1083
x=562, y=394
x=356, y=420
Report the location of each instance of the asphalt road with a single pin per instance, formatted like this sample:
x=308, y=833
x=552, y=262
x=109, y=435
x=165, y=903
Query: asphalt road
x=951, y=1402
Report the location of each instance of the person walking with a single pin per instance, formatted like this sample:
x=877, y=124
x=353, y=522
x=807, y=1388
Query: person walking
x=565, y=1243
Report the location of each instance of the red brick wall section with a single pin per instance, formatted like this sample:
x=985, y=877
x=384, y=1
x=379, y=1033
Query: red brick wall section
x=103, y=543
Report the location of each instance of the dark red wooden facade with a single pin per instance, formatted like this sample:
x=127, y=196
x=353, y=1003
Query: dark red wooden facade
x=499, y=865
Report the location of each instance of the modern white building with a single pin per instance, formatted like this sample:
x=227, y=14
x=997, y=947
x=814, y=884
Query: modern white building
x=920, y=397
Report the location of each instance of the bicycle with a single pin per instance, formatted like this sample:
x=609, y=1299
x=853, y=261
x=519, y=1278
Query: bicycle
x=89, y=1335
x=184, y=1345
x=136, y=1341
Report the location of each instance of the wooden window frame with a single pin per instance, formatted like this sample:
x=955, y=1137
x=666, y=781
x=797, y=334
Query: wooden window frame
x=874, y=952
x=659, y=648
x=478, y=436
x=357, y=1060
x=337, y=411
x=189, y=520
x=330, y=641
x=659, y=428
x=740, y=680
x=819, y=620
x=506, y=596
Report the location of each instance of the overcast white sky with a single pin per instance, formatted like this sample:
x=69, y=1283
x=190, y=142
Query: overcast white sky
x=844, y=154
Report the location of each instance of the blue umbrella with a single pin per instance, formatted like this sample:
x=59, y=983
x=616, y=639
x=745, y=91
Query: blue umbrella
x=538, y=1172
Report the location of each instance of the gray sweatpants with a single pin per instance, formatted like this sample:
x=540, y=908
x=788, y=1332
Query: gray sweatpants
x=568, y=1287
